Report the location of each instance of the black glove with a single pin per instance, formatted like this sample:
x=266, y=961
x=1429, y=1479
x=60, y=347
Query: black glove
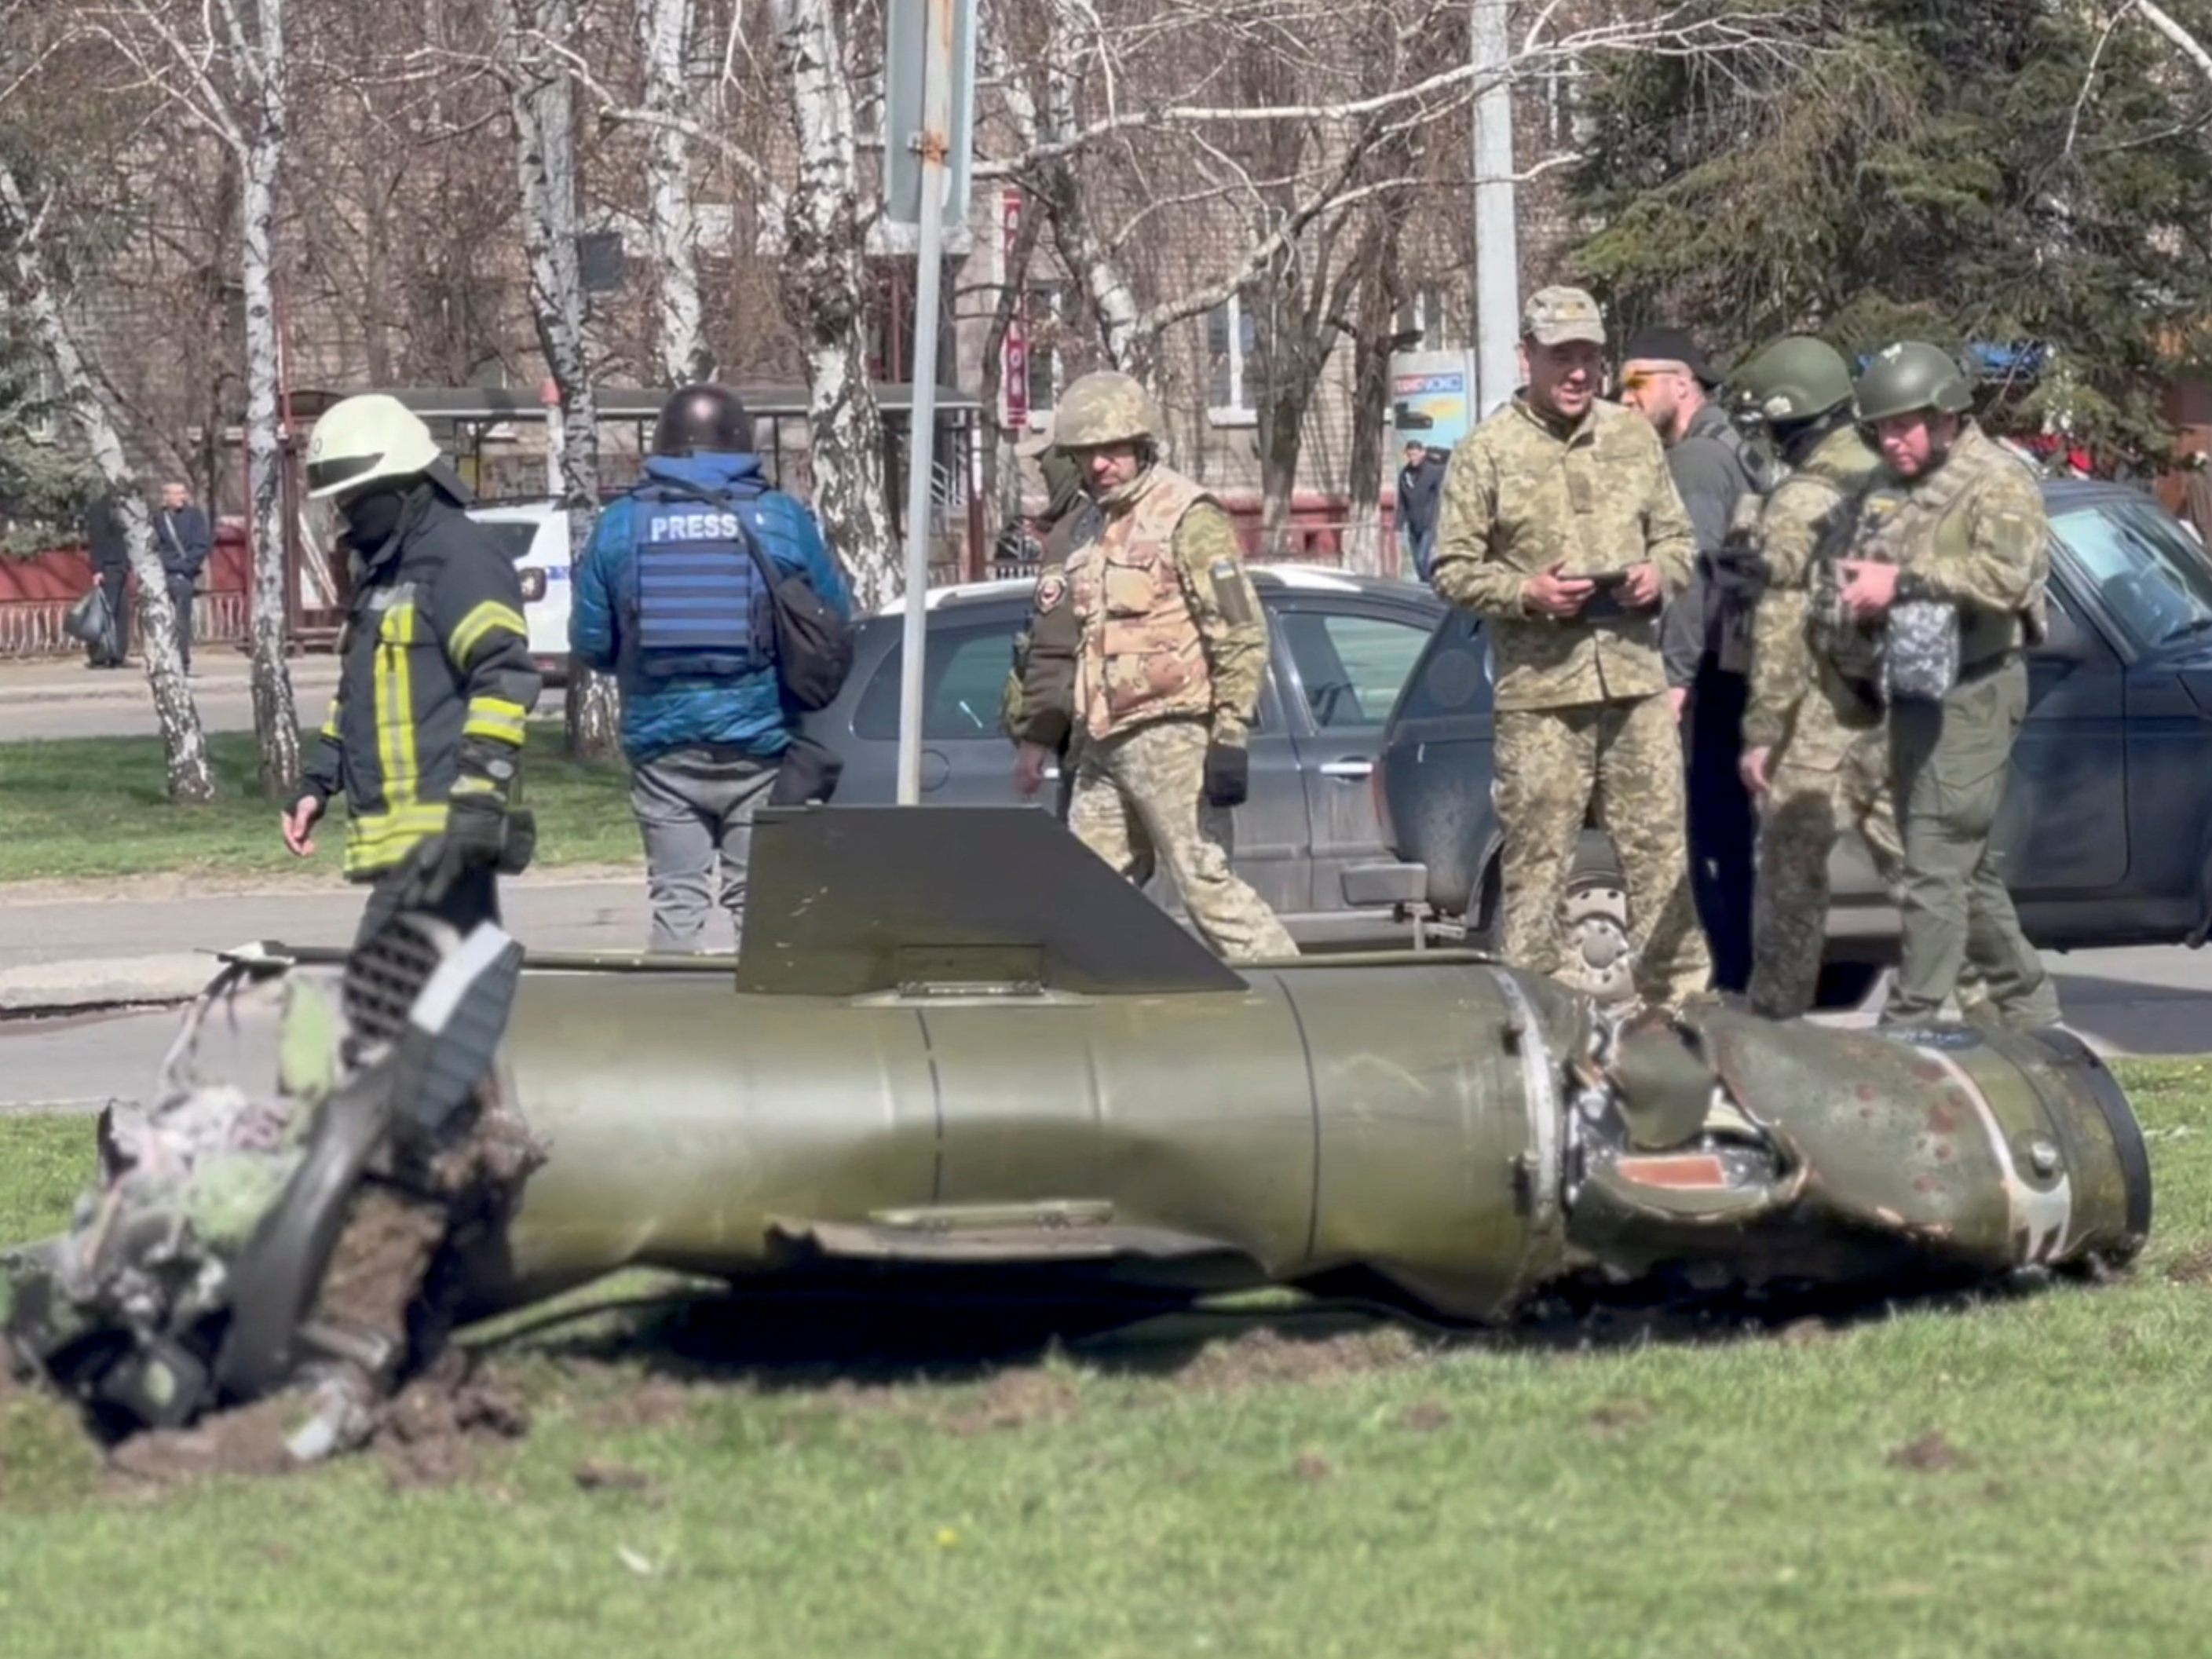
x=1227, y=774
x=475, y=830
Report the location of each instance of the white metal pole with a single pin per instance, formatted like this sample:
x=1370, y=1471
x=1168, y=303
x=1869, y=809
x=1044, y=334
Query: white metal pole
x=921, y=431
x=1496, y=238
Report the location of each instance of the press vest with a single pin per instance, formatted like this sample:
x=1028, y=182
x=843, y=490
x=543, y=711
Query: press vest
x=1142, y=659
x=702, y=605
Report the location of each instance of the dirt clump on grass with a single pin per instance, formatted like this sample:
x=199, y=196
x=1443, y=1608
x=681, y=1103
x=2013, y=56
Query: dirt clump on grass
x=1619, y=1416
x=1425, y=1416
x=1931, y=1453
x=2194, y=1269
x=428, y=1435
x=1017, y=1399
x=251, y=1440
x=1263, y=1357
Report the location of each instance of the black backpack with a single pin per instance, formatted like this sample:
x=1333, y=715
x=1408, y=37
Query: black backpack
x=813, y=643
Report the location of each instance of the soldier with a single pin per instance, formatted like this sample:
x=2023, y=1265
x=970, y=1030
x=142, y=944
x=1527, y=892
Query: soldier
x=1951, y=553
x=1038, y=709
x=1815, y=748
x=1172, y=648
x=1561, y=526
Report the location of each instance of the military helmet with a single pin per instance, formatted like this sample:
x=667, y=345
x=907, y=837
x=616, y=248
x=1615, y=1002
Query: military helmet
x=1797, y=378
x=1911, y=376
x=703, y=418
x=364, y=439
x=1106, y=407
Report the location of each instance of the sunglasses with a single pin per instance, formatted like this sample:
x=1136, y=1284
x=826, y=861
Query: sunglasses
x=1643, y=377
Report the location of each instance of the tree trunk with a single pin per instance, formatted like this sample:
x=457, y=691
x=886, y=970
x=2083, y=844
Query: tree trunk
x=998, y=462
x=183, y=744
x=546, y=147
x=275, y=717
x=1374, y=325
x=1282, y=440
x=663, y=28
x=1106, y=284
x=824, y=288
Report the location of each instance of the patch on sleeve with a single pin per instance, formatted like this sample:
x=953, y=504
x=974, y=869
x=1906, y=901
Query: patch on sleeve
x=1232, y=594
x=1051, y=589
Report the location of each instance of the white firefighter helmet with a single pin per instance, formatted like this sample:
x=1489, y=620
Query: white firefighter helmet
x=364, y=439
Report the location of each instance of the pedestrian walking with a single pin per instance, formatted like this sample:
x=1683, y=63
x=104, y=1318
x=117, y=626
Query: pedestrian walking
x=1561, y=527
x=1420, y=482
x=1946, y=570
x=1171, y=653
x=425, y=733
x=675, y=597
x=110, y=553
x=1705, y=633
x=183, y=540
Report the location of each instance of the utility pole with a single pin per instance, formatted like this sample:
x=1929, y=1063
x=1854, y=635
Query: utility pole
x=1497, y=235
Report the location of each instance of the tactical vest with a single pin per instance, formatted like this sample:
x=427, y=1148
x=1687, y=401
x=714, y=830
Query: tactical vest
x=1142, y=659
x=703, y=606
x=1899, y=525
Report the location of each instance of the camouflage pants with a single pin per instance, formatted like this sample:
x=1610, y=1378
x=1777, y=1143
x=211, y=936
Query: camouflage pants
x=1138, y=802
x=1805, y=808
x=1624, y=758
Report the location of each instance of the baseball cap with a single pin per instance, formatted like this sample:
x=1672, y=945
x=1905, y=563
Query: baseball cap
x=1554, y=316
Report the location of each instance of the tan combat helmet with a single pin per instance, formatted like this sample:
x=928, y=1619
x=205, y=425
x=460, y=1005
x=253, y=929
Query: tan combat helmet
x=1106, y=407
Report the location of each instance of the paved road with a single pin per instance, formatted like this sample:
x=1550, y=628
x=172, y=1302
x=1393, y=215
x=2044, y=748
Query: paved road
x=63, y=699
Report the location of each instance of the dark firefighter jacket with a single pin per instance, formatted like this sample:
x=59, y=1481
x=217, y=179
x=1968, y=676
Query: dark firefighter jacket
x=434, y=682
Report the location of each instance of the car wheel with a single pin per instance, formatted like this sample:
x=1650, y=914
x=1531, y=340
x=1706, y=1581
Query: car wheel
x=1600, y=960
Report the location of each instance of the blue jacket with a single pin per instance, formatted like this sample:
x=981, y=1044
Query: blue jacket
x=744, y=711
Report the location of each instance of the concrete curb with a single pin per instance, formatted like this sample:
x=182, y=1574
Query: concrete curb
x=63, y=987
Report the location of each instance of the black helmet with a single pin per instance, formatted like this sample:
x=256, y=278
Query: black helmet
x=705, y=417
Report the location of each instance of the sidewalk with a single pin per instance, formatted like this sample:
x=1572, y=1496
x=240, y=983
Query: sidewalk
x=216, y=669
x=76, y=954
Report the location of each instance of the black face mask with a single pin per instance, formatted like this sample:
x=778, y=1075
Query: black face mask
x=372, y=516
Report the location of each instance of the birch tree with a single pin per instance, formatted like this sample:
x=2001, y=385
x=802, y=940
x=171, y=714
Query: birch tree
x=664, y=29
x=23, y=225
x=545, y=153
x=226, y=64
x=824, y=288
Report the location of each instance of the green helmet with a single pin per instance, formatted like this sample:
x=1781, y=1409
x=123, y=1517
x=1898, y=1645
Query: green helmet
x=1795, y=379
x=1911, y=376
x=1106, y=407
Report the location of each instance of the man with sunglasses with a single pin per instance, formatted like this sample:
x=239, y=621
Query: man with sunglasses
x=1561, y=528
x=1705, y=635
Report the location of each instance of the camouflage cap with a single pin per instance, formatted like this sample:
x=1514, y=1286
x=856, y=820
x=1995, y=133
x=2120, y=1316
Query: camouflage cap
x=1554, y=316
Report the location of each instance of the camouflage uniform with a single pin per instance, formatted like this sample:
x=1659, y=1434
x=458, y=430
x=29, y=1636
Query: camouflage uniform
x=1971, y=533
x=1038, y=703
x=1829, y=764
x=1581, y=717
x=1172, y=653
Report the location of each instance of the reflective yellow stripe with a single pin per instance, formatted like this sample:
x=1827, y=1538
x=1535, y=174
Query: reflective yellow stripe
x=467, y=785
x=395, y=709
x=496, y=718
x=331, y=721
x=377, y=840
x=462, y=642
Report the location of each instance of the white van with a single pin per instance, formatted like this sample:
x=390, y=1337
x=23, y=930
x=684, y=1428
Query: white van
x=535, y=535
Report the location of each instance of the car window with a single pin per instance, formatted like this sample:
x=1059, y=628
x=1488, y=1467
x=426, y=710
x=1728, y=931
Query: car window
x=1454, y=678
x=2147, y=570
x=963, y=674
x=1352, y=667
x=511, y=536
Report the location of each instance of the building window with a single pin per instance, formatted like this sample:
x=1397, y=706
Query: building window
x=1232, y=342
x=1428, y=311
x=1044, y=322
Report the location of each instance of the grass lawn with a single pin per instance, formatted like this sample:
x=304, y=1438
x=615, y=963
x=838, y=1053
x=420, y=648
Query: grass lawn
x=2025, y=1477
x=94, y=806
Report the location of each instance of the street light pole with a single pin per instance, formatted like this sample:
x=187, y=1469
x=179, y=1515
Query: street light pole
x=1497, y=237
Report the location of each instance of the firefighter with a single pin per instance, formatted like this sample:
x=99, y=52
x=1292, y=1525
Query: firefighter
x=435, y=680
